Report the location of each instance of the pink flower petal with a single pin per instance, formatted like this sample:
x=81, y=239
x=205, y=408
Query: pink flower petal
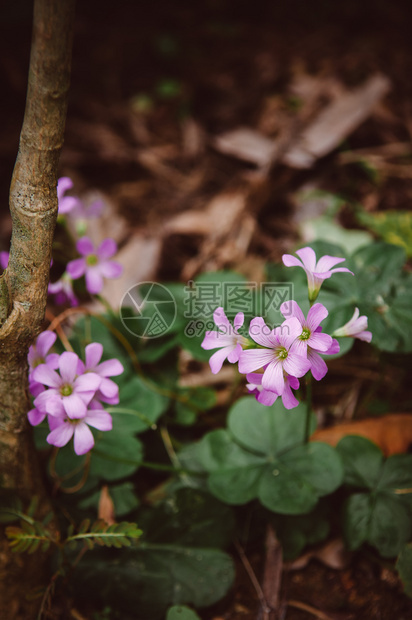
x=318, y=365
x=94, y=352
x=83, y=439
x=296, y=365
x=289, y=400
x=89, y=382
x=76, y=268
x=111, y=269
x=316, y=314
x=68, y=366
x=54, y=406
x=35, y=416
x=222, y=322
x=85, y=246
x=217, y=359
x=325, y=263
x=61, y=435
x=99, y=419
x=308, y=257
x=273, y=378
x=291, y=309
x=239, y=320
x=63, y=184
x=108, y=388
x=216, y=340
x=44, y=342
x=262, y=334
x=233, y=356
x=74, y=406
x=110, y=368
x=289, y=331
x=254, y=377
x=44, y=374
x=94, y=280
x=253, y=359
x=320, y=342
x=266, y=397
x=291, y=261
x=107, y=249
x=334, y=348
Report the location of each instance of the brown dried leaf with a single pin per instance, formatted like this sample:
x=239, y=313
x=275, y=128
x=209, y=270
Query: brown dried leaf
x=336, y=123
x=248, y=145
x=333, y=554
x=392, y=433
x=105, y=509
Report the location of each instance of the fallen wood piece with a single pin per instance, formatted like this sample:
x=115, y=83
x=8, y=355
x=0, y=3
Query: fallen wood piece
x=336, y=123
x=392, y=433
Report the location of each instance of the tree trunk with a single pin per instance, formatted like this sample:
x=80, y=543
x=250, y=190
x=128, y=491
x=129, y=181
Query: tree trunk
x=23, y=286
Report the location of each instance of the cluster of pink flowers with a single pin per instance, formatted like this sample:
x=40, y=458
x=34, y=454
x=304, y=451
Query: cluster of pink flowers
x=284, y=354
x=93, y=263
x=70, y=392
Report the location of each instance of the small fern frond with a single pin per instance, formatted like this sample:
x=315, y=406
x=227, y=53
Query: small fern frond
x=117, y=535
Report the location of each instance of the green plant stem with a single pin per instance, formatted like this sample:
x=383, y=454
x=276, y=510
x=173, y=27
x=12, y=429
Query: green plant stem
x=308, y=407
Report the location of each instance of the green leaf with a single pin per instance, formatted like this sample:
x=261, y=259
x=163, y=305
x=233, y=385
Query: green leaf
x=362, y=461
x=296, y=532
x=381, y=517
x=380, y=290
x=141, y=405
x=146, y=581
x=393, y=226
x=263, y=456
x=189, y=517
x=115, y=455
x=191, y=402
x=404, y=568
x=181, y=612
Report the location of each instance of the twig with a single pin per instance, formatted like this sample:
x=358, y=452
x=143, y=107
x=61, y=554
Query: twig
x=248, y=568
x=311, y=610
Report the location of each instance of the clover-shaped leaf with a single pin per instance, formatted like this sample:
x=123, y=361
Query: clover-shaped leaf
x=263, y=456
x=379, y=514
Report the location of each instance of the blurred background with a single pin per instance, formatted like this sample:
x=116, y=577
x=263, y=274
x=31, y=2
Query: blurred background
x=182, y=112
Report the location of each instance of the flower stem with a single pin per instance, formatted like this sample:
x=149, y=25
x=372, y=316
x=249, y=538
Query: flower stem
x=308, y=407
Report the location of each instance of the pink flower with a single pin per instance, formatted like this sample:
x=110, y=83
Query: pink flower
x=94, y=264
x=66, y=203
x=38, y=354
x=318, y=366
x=310, y=336
x=63, y=291
x=4, y=259
x=64, y=428
x=69, y=393
x=356, y=328
x=268, y=397
x=279, y=355
x=226, y=339
x=108, y=390
x=316, y=272
x=84, y=211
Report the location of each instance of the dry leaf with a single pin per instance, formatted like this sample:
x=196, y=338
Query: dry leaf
x=248, y=145
x=333, y=554
x=392, y=433
x=336, y=123
x=105, y=509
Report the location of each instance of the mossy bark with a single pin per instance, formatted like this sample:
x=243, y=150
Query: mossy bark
x=23, y=286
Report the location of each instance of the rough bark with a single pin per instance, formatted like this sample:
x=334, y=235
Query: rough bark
x=23, y=287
